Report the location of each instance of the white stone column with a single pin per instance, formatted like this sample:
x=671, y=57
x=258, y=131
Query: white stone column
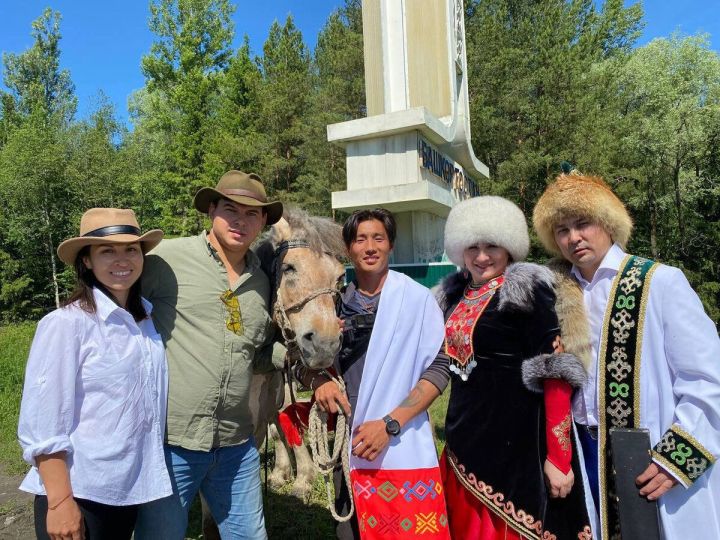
x=412, y=154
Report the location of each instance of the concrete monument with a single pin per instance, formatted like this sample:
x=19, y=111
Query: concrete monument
x=412, y=153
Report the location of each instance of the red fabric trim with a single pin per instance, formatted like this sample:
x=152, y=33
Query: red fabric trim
x=558, y=423
x=400, y=504
x=292, y=429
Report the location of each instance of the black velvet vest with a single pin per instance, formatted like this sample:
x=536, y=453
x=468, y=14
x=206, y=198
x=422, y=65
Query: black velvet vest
x=495, y=426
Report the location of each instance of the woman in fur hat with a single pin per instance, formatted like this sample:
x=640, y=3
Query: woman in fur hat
x=92, y=417
x=508, y=466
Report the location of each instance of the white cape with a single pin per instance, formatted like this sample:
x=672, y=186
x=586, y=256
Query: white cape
x=406, y=337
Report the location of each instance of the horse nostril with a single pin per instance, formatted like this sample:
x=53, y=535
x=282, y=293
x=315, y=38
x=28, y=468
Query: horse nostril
x=308, y=337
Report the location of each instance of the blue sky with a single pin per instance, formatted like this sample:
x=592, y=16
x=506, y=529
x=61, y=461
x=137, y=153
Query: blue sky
x=104, y=41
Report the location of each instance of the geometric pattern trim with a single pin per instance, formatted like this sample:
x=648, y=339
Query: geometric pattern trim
x=619, y=372
x=679, y=452
x=400, y=503
x=517, y=519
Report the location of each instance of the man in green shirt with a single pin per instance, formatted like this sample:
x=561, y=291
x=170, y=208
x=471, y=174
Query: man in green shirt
x=211, y=305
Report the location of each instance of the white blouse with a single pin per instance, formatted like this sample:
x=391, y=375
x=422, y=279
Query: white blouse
x=96, y=388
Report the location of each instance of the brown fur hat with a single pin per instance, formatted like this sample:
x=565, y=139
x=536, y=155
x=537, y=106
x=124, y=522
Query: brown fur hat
x=578, y=195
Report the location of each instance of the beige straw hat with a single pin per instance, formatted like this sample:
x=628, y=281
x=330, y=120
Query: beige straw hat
x=107, y=226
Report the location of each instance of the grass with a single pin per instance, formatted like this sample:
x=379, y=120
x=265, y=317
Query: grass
x=14, y=347
x=285, y=515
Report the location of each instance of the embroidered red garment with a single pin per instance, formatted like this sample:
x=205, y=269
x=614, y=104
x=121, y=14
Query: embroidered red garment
x=461, y=324
x=468, y=517
x=400, y=503
x=558, y=423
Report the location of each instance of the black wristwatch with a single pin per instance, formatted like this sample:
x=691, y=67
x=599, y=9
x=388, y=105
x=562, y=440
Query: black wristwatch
x=392, y=426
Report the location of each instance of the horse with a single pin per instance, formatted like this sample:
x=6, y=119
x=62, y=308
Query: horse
x=301, y=255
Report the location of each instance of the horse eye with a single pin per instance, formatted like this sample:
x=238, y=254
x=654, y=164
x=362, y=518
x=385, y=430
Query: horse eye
x=288, y=269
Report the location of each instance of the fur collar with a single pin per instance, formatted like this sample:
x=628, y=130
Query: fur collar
x=570, y=309
x=517, y=292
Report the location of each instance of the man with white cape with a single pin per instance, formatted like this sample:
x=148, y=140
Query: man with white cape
x=393, y=371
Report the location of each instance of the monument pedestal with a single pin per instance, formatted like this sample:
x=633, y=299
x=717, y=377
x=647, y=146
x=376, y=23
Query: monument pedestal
x=412, y=153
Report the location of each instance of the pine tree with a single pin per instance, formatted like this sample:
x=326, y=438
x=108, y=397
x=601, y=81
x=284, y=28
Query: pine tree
x=338, y=96
x=284, y=100
x=183, y=71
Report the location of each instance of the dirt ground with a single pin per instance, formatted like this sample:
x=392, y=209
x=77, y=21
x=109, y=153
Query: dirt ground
x=16, y=511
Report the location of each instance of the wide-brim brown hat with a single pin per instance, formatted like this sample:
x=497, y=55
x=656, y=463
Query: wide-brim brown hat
x=242, y=188
x=107, y=226
x=579, y=195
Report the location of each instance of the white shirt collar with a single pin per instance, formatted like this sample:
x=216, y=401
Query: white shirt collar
x=609, y=265
x=106, y=306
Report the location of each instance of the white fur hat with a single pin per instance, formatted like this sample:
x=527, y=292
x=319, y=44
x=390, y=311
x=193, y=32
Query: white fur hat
x=488, y=219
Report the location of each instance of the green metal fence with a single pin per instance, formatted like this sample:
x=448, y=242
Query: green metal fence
x=428, y=274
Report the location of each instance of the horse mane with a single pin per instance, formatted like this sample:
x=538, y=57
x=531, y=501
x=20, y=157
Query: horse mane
x=321, y=233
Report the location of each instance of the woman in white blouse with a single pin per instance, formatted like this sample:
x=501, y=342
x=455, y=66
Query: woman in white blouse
x=92, y=418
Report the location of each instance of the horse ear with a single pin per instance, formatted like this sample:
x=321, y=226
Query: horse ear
x=282, y=229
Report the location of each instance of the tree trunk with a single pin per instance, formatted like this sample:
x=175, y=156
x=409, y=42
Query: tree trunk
x=653, y=221
x=51, y=250
x=678, y=205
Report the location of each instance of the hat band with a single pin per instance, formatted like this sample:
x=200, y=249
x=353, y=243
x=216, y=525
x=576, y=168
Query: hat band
x=113, y=229
x=244, y=193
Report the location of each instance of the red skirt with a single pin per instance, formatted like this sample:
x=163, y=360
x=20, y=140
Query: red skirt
x=399, y=504
x=468, y=517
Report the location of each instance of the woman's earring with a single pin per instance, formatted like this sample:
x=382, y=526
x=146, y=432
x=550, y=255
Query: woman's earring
x=465, y=274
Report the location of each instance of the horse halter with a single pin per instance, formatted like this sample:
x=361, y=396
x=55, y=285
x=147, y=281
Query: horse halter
x=280, y=311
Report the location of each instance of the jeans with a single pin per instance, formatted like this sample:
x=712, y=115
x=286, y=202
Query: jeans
x=592, y=468
x=228, y=478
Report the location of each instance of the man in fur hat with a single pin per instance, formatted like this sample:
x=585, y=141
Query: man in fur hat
x=655, y=357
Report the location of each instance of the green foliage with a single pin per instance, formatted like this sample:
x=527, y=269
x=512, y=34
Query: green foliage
x=558, y=80
x=184, y=69
x=35, y=78
x=338, y=96
x=14, y=348
x=235, y=141
x=284, y=98
x=550, y=81
x=528, y=64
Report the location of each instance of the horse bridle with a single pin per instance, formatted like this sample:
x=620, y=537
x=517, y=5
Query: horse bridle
x=280, y=311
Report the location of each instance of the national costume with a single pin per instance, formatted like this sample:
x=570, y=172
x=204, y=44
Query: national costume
x=509, y=407
x=498, y=430
x=399, y=494
x=655, y=360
